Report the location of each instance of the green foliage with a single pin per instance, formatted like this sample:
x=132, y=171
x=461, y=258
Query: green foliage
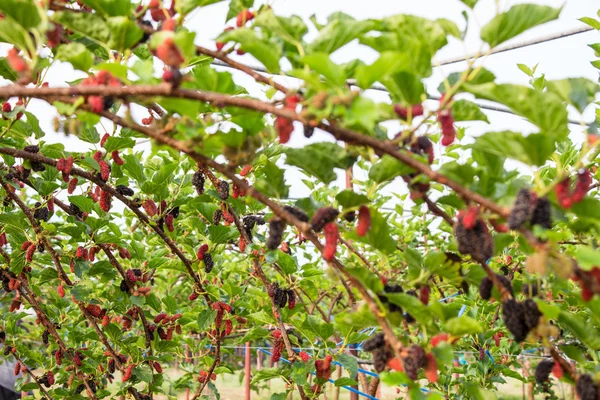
x=181, y=174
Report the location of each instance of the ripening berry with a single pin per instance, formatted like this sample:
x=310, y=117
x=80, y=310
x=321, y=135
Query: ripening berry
x=116, y=158
x=241, y=244
x=246, y=170
x=193, y=296
x=127, y=374
x=25, y=245
x=243, y=17
x=304, y=356
x=53, y=36
x=469, y=218
x=147, y=121
x=563, y=195
x=104, y=170
x=105, y=200
x=15, y=61
x=30, y=252
x=228, y=327
x=364, y=221
x=150, y=207
x=584, y=180
x=94, y=310
x=291, y=295
x=96, y=103
x=169, y=53
x=332, y=236
x=424, y=294
x=6, y=107
x=61, y=164
x=414, y=110
x=72, y=185
x=169, y=222
x=284, y=127
x=104, y=139
x=169, y=25
x=159, y=318
x=201, y=251
x=68, y=165
x=17, y=369
x=446, y=122
x=124, y=253
x=437, y=339
x=157, y=367
x=61, y=290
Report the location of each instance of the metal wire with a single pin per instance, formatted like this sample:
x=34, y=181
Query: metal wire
x=453, y=60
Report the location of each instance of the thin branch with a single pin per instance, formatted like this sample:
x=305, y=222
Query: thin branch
x=33, y=376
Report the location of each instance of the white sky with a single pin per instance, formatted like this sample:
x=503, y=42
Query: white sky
x=558, y=59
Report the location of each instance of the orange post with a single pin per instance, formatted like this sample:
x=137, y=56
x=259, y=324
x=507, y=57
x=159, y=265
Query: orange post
x=248, y=366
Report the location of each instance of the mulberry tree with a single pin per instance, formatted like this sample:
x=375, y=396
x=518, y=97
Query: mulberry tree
x=152, y=221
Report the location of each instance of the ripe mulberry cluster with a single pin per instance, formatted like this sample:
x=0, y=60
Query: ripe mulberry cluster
x=41, y=213
x=389, y=288
x=222, y=188
x=322, y=217
x=529, y=208
x=520, y=318
x=486, y=286
x=586, y=388
x=198, y=182
x=47, y=379
x=323, y=367
x=124, y=190
x=104, y=78
x=379, y=349
x=250, y=221
x=414, y=110
x=35, y=165
x=276, y=229
x=543, y=369
x=473, y=237
x=282, y=297
x=296, y=212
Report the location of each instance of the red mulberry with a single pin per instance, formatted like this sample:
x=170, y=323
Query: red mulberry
x=332, y=236
x=169, y=222
x=584, y=180
x=72, y=185
x=116, y=157
x=150, y=207
x=414, y=110
x=105, y=200
x=291, y=299
x=104, y=170
x=563, y=194
x=364, y=221
x=284, y=127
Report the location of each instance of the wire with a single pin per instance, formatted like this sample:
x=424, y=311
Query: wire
x=453, y=60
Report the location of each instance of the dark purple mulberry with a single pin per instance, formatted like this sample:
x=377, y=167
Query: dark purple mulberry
x=531, y=314
x=485, y=288
x=543, y=370
x=276, y=228
x=375, y=342
x=208, y=262
x=586, y=388
x=521, y=211
x=477, y=242
x=514, y=319
x=198, y=182
x=322, y=217
x=124, y=190
x=530, y=290
x=542, y=215
x=216, y=218
x=296, y=212
x=223, y=189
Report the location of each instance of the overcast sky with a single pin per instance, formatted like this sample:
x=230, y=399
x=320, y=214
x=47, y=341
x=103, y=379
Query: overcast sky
x=558, y=59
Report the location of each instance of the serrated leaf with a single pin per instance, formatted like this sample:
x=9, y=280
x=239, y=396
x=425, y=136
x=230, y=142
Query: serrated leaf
x=12, y=32
x=388, y=168
x=77, y=55
x=340, y=30
x=578, y=92
x=515, y=21
x=124, y=33
x=534, y=149
x=110, y=8
x=350, y=363
x=320, y=160
x=465, y=110
x=5, y=71
x=86, y=24
x=271, y=181
x=321, y=63
x=265, y=52
x=463, y=325
x=348, y=198
x=205, y=319
x=345, y=381
x=118, y=143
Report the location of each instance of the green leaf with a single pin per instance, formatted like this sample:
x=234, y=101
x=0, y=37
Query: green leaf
x=271, y=181
x=348, y=198
x=578, y=92
x=350, y=363
x=594, y=23
x=316, y=325
x=84, y=203
x=543, y=109
x=416, y=61
x=76, y=54
x=464, y=110
x=290, y=29
x=534, y=149
x=24, y=12
x=143, y=373
x=205, y=319
x=321, y=63
x=89, y=134
x=463, y=325
x=133, y=168
x=340, y=30
x=210, y=80
x=581, y=329
x=110, y=8
x=587, y=257
x=367, y=278
x=470, y=3
x=118, y=143
x=11, y=32
x=362, y=115
x=86, y=24
x=124, y=33
x=405, y=87
x=387, y=168
x=222, y=234
x=186, y=6
x=237, y=6
x=345, y=381
x=5, y=71
x=319, y=160
x=515, y=21
x=267, y=53
x=266, y=374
